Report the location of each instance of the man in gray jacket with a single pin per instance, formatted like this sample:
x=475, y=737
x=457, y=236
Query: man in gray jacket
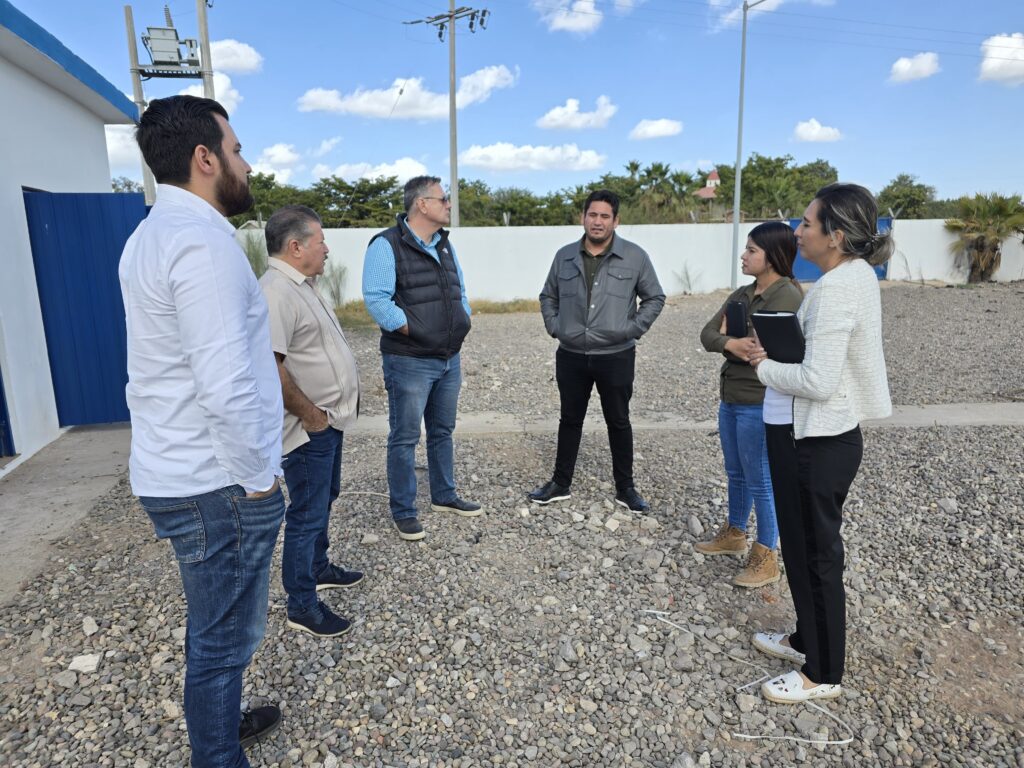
x=589, y=304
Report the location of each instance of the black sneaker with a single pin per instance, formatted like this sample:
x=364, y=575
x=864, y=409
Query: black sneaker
x=550, y=491
x=257, y=723
x=334, y=577
x=460, y=507
x=632, y=500
x=410, y=529
x=320, y=621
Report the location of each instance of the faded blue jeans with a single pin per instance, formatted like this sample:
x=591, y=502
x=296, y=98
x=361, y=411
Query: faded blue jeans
x=313, y=474
x=420, y=389
x=223, y=542
x=741, y=430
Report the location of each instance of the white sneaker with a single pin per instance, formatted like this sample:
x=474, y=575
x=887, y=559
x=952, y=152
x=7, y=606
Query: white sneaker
x=771, y=643
x=789, y=689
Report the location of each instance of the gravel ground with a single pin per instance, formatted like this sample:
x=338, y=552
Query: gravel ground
x=943, y=345
x=520, y=638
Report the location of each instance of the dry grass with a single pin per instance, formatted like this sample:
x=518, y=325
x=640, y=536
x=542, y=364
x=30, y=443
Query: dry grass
x=353, y=314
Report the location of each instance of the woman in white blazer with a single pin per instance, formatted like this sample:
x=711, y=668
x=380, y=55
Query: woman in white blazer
x=815, y=446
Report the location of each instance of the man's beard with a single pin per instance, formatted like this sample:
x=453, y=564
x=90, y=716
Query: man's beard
x=233, y=195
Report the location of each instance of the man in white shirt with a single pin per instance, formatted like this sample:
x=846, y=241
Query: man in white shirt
x=206, y=411
x=320, y=384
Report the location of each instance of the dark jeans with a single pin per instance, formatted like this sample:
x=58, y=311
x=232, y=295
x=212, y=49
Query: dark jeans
x=576, y=375
x=810, y=479
x=313, y=474
x=420, y=389
x=223, y=542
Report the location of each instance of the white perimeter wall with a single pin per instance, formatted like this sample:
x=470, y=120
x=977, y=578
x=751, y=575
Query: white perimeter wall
x=52, y=143
x=503, y=263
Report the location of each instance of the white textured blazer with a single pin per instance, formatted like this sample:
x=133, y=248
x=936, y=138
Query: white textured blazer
x=842, y=379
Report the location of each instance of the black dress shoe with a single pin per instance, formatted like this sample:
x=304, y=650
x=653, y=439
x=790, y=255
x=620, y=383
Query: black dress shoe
x=632, y=500
x=257, y=723
x=550, y=491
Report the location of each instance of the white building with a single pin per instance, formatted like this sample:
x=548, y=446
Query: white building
x=53, y=140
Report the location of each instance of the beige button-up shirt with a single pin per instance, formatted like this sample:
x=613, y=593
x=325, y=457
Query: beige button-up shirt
x=306, y=331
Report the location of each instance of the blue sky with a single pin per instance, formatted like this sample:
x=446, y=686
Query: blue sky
x=554, y=93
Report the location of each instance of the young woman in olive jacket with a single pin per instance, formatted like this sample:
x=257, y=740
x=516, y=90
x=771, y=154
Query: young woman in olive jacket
x=768, y=258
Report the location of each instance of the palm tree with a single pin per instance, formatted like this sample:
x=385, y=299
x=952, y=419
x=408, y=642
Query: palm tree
x=633, y=168
x=982, y=223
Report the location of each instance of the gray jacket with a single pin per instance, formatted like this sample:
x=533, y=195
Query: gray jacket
x=612, y=322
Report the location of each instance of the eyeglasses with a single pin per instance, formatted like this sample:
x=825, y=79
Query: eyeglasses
x=444, y=200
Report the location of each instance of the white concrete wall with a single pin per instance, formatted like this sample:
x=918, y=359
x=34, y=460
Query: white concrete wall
x=51, y=143
x=923, y=253
x=503, y=263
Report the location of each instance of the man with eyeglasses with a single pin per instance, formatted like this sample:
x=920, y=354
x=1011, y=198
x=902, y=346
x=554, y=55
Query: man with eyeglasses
x=414, y=290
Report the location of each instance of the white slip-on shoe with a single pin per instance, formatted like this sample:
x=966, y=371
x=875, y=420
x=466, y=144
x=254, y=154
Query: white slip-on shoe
x=789, y=689
x=771, y=643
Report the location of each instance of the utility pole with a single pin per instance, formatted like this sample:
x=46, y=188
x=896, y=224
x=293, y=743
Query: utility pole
x=206, y=71
x=447, y=21
x=734, y=255
x=148, y=183
x=165, y=52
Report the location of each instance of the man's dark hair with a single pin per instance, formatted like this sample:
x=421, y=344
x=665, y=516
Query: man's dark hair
x=171, y=129
x=289, y=223
x=602, y=196
x=416, y=188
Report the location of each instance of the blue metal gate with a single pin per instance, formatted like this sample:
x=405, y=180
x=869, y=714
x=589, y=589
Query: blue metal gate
x=77, y=241
x=6, y=440
x=804, y=271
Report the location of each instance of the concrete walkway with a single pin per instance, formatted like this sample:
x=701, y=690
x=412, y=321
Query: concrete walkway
x=43, y=498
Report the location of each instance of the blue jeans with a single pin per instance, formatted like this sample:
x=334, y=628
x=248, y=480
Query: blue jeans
x=741, y=430
x=223, y=542
x=313, y=474
x=420, y=389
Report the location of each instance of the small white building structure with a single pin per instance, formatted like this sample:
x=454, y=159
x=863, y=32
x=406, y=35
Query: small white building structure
x=53, y=140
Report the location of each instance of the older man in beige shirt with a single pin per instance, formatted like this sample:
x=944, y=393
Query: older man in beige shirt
x=320, y=384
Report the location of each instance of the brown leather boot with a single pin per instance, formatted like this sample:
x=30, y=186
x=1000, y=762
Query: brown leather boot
x=728, y=541
x=762, y=568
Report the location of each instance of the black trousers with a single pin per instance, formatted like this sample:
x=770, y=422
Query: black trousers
x=576, y=375
x=810, y=480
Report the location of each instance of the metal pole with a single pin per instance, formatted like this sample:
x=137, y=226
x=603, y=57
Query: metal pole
x=453, y=144
x=148, y=183
x=734, y=255
x=206, y=63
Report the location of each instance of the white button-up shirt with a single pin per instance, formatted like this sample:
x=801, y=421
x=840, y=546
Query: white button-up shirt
x=203, y=389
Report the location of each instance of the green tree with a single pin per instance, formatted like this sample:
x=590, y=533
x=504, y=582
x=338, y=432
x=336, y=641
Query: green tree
x=124, y=184
x=906, y=196
x=982, y=224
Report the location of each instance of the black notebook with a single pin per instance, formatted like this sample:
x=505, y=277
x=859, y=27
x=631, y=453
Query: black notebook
x=780, y=335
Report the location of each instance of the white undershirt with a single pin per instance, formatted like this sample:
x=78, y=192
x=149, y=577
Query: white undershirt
x=778, y=408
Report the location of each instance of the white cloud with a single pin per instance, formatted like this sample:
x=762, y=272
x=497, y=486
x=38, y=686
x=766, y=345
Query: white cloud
x=279, y=159
x=508, y=157
x=655, y=129
x=226, y=94
x=812, y=130
x=729, y=13
x=626, y=6
x=570, y=117
x=578, y=16
x=917, y=67
x=404, y=168
x=122, y=151
x=407, y=99
x=326, y=146
x=1003, y=59
x=234, y=57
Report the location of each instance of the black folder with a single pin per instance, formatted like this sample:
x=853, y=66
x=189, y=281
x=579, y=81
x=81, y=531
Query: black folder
x=780, y=335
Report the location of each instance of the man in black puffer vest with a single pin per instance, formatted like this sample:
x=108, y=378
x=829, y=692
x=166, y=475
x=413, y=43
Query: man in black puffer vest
x=414, y=290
